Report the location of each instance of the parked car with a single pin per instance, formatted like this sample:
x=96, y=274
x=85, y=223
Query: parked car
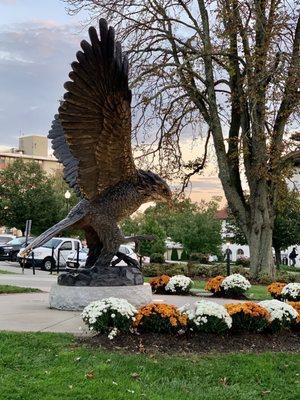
x=83, y=254
x=5, y=238
x=55, y=250
x=10, y=250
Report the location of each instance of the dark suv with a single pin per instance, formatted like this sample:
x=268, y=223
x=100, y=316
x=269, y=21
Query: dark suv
x=10, y=250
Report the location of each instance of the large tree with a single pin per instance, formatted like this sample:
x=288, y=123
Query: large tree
x=231, y=64
x=26, y=192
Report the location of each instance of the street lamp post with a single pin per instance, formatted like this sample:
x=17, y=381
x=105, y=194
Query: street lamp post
x=228, y=252
x=67, y=197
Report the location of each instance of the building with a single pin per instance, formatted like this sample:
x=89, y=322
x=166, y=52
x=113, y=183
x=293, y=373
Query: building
x=31, y=148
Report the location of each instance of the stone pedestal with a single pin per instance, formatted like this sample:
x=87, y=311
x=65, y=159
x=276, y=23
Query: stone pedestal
x=75, y=298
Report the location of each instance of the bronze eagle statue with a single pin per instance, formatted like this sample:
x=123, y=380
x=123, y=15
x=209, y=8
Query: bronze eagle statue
x=91, y=137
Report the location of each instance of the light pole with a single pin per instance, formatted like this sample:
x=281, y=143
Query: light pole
x=67, y=197
x=228, y=252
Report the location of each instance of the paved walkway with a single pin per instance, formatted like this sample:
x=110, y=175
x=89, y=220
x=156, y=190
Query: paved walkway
x=30, y=312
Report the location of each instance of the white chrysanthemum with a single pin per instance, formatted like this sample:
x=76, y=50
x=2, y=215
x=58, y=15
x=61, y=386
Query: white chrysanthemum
x=203, y=309
x=179, y=282
x=291, y=291
x=235, y=281
x=97, y=308
x=279, y=310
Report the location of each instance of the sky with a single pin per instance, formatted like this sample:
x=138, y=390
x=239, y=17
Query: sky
x=38, y=41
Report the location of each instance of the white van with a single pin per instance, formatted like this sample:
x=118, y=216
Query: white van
x=55, y=250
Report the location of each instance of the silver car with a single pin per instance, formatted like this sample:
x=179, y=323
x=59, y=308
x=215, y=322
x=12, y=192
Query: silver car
x=83, y=254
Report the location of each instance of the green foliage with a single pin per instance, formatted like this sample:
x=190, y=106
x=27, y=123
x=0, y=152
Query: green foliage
x=150, y=226
x=157, y=258
x=27, y=193
x=156, y=269
x=201, y=258
x=184, y=255
x=174, y=255
x=287, y=222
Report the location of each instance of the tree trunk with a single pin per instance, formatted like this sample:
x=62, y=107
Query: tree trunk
x=277, y=256
x=260, y=242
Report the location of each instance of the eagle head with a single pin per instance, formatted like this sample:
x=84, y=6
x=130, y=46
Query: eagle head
x=155, y=187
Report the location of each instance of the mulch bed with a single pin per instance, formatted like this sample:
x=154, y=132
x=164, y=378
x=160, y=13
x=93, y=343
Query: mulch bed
x=150, y=343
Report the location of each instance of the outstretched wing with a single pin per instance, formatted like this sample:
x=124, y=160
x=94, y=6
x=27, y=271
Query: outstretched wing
x=62, y=153
x=96, y=115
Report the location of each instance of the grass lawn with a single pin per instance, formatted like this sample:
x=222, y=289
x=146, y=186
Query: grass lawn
x=44, y=366
x=3, y=271
x=6, y=289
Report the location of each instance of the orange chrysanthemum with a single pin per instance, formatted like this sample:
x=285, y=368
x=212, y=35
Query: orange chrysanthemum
x=159, y=282
x=214, y=284
x=166, y=311
x=249, y=308
x=296, y=306
x=275, y=289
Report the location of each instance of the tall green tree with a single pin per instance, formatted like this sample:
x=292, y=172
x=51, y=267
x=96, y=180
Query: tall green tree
x=150, y=226
x=26, y=192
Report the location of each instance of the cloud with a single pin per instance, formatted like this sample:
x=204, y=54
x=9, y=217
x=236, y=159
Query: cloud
x=35, y=60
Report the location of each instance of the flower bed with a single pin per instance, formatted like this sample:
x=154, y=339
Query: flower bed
x=275, y=289
x=159, y=283
x=282, y=315
x=159, y=318
x=111, y=315
x=179, y=284
x=248, y=316
x=233, y=286
x=207, y=316
x=291, y=292
x=296, y=324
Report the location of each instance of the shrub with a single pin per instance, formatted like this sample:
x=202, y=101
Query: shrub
x=282, y=315
x=235, y=286
x=174, y=255
x=179, y=284
x=207, y=316
x=111, y=315
x=243, y=261
x=184, y=256
x=201, y=258
x=157, y=258
x=275, y=290
x=158, y=284
x=291, y=292
x=213, y=285
x=248, y=316
x=295, y=324
x=163, y=318
x=151, y=269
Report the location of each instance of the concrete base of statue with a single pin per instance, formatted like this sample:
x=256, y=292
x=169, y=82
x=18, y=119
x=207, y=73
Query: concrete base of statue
x=75, y=298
